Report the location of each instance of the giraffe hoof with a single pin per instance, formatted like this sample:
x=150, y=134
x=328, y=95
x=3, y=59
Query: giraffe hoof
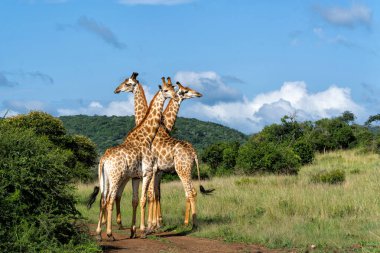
x=99, y=238
x=133, y=233
x=111, y=238
x=120, y=227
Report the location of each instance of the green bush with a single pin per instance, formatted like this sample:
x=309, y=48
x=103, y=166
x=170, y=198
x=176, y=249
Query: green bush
x=82, y=151
x=260, y=156
x=336, y=176
x=37, y=204
x=304, y=150
x=221, y=157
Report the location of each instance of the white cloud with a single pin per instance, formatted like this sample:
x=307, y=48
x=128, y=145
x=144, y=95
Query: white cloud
x=24, y=105
x=210, y=84
x=356, y=14
x=117, y=108
x=154, y=2
x=251, y=115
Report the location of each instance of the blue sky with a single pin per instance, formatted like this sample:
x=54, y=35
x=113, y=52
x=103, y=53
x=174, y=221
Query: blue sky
x=254, y=61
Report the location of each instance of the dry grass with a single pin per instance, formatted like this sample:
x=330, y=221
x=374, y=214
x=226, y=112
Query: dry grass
x=282, y=211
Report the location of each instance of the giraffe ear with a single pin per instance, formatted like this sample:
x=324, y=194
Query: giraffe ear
x=179, y=85
x=134, y=75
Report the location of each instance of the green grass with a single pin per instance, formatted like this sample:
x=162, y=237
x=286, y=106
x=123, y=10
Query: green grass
x=282, y=211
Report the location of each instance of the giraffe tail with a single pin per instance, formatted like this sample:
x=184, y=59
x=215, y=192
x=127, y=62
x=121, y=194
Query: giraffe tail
x=92, y=197
x=201, y=188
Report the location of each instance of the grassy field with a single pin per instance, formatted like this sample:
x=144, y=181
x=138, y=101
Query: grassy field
x=282, y=211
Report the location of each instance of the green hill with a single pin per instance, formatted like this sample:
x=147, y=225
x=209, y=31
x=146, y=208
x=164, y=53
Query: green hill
x=109, y=131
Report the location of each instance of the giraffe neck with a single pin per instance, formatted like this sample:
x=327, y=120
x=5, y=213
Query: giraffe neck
x=170, y=114
x=147, y=129
x=141, y=106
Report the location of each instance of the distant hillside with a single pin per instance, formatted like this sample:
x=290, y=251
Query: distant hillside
x=110, y=131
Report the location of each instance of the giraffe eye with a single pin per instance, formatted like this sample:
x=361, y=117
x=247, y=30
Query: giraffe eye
x=165, y=90
x=187, y=91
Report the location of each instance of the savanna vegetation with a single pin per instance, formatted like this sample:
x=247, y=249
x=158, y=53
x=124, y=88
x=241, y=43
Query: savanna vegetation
x=40, y=163
x=282, y=211
x=293, y=184
x=283, y=148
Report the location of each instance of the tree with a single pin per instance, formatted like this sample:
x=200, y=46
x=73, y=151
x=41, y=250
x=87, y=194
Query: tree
x=37, y=203
x=372, y=118
x=347, y=117
x=263, y=156
x=82, y=151
x=331, y=134
x=221, y=157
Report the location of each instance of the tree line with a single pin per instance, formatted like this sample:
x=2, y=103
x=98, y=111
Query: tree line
x=110, y=131
x=283, y=148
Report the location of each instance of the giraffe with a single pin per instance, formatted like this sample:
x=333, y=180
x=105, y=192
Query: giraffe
x=131, y=159
x=140, y=106
x=172, y=153
x=170, y=113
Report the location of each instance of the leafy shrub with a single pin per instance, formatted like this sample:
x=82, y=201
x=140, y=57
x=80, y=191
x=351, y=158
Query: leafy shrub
x=336, y=176
x=82, y=151
x=260, y=156
x=221, y=157
x=304, y=150
x=37, y=204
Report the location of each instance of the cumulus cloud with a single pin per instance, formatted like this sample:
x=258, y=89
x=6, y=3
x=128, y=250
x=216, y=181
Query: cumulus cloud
x=117, y=108
x=356, y=14
x=251, y=115
x=210, y=84
x=155, y=2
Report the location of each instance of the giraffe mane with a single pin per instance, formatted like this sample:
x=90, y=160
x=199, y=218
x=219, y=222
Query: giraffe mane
x=143, y=94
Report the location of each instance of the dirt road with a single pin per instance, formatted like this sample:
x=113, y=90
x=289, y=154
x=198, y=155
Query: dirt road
x=173, y=243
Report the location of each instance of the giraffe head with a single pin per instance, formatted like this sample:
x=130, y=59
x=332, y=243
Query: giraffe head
x=185, y=92
x=167, y=89
x=129, y=84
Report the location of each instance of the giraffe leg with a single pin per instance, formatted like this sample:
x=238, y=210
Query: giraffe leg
x=104, y=213
x=145, y=183
x=118, y=213
x=151, y=203
x=193, y=210
x=135, y=203
x=187, y=211
x=184, y=174
x=109, y=218
x=101, y=215
x=157, y=191
x=117, y=200
x=159, y=215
